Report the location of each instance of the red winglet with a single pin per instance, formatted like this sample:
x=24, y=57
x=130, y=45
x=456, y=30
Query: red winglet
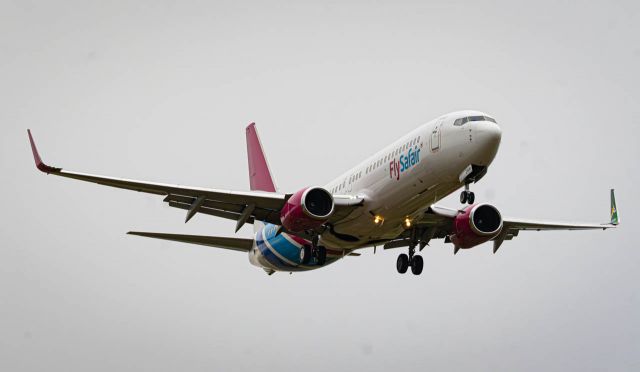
x=39, y=163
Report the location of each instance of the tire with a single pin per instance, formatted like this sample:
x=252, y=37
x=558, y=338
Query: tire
x=402, y=264
x=416, y=265
x=463, y=197
x=322, y=256
x=471, y=198
x=305, y=254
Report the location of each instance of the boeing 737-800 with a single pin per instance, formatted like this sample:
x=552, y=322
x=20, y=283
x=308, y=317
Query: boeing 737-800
x=388, y=200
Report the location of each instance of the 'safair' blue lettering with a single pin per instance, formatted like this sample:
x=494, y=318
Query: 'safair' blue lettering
x=407, y=161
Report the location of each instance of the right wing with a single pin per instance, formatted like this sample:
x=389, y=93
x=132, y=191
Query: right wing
x=234, y=244
x=437, y=223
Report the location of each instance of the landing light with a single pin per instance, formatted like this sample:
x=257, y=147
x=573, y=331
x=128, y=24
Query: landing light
x=407, y=222
x=378, y=220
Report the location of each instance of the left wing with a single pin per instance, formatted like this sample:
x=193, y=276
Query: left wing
x=222, y=203
x=241, y=206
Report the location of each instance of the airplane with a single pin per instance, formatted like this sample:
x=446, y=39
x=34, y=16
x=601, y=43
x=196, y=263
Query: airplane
x=389, y=200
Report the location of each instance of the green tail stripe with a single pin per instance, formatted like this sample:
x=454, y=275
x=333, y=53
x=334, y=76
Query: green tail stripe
x=614, y=209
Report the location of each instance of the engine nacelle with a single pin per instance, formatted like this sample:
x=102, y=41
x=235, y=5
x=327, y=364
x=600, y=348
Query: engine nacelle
x=307, y=209
x=477, y=224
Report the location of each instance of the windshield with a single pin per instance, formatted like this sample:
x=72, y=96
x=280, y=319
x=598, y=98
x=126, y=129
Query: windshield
x=463, y=121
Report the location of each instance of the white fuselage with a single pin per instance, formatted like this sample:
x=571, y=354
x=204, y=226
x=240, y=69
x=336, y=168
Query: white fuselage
x=401, y=181
x=397, y=184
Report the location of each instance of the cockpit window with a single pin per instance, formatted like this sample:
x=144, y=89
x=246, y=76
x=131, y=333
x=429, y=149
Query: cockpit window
x=463, y=121
x=460, y=121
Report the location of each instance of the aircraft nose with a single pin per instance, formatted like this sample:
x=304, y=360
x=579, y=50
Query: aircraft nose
x=490, y=133
x=487, y=136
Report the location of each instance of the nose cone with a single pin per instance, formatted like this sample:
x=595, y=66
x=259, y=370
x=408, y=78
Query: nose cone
x=486, y=136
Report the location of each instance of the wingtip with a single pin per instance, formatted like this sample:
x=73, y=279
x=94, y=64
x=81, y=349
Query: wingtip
x=615, y=219
x=36, y=157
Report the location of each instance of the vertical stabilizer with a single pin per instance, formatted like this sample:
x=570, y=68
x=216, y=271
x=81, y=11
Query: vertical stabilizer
x=260, y=178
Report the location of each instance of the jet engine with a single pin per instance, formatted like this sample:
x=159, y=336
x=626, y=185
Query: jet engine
x=475, y=225
x=307, y=209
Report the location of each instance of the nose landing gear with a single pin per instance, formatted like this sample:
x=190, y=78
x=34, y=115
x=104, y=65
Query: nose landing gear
x=467, y=196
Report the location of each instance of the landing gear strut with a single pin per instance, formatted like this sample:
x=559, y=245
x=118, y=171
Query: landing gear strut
x=415, y=261
x=467, y=196
x=319, y=252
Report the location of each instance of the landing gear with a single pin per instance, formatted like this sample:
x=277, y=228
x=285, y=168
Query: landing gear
x=305, y=254
x=416, y=265
x=404, y=261
x=467, y=196
x=402, y=264
x=321, y=256
x=319, y=252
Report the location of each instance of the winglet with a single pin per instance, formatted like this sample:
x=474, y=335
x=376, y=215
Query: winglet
x=614, y=210
x=36, y=157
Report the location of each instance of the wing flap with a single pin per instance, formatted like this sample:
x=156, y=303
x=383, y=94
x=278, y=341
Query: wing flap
x=234, y=244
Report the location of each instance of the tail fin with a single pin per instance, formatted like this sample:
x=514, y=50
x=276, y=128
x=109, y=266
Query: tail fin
x=260, y=178
x=614, y=210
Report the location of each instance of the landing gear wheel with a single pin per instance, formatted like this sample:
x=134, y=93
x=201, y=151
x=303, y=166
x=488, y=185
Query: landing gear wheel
x=321, y=255
x=305, y=254
x=403, y=263
x=463, y=197
x=471, y=198
x=416, y=265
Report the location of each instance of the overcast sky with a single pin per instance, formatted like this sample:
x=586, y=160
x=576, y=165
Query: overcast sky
x=162, y=91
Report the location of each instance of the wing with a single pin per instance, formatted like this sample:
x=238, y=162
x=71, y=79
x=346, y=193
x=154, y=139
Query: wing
x=241, y=206
x=234, y=244
x=437, y=222
x=517, y=224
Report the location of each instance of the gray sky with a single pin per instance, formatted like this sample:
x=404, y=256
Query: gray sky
x=162, y=91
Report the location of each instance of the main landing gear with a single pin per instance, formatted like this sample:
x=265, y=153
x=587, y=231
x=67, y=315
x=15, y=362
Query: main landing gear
x=413, y=260
x=467, y=196
x=313, y=250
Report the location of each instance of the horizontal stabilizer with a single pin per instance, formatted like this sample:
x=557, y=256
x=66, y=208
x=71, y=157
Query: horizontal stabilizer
x=234, y=244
